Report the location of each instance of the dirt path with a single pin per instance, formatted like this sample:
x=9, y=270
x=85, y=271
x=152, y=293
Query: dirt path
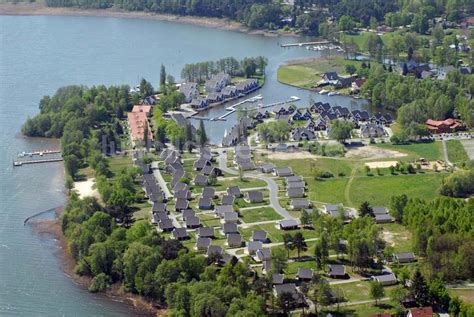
x=347, y=190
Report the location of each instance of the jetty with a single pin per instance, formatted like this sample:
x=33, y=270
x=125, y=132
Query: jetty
x=305, y=43
x=36, y=157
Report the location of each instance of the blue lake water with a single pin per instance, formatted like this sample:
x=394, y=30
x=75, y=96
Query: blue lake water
x=42, y=53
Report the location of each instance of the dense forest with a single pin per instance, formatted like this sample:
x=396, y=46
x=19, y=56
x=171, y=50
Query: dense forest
x=309, y=16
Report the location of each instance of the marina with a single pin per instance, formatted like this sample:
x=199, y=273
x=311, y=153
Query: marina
x=36, y=157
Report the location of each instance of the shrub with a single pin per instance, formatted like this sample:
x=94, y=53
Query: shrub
x=100, y=283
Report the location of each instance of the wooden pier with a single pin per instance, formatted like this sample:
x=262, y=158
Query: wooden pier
x=37, y=157
x=305, y=44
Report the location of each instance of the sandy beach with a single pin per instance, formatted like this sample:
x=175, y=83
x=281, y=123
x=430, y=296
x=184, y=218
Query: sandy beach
x=41, y=9
x=86, y=188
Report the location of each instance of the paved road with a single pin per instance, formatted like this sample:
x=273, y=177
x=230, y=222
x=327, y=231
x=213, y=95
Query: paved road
x=223, y=163
x=162, y=183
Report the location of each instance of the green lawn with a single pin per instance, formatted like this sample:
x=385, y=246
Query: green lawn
x=467, y=295
x=260, y=214
x=378, y=190
x=208, y=220
x=118, y=163
x=222, y=184
x=273, y=233
x=307, y=74
x=456, y=152
x=327, y=191
x=303, y=167
x=431, y=151
x=293, y=267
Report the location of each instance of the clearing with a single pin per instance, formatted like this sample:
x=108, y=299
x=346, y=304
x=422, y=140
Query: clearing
x=469, y=148
x=86, y=188
x=373, y=153
x=381, y=164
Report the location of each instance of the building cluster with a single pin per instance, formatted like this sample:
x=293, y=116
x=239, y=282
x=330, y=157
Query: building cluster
x=425, y=70
x=138, y=123
x=218, y=88
x=445, y=126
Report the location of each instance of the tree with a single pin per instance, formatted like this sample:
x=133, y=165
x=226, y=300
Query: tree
x=366, y=210
x=341, y=130
x=207, y=305
x=279, y=260
x=146, y=89
x=202, y=136
x=350, y=69
x=419, y=290
x=376, y=291
x=397, y=207
x=299, y=243
x=374, y=45
x=288, y=243
x=305, y=219
x=163, y=79
x=72, y=165
x=345, y=23
x=286, y=301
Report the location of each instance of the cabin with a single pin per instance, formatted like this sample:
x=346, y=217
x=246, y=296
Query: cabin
x=209, y=192
x=180, y=234
x=383, y=218
x=300, y=204
x=267, y=168
x=261, y=115
x=290, y=288
x=200, y=163
x=304, y=275
x=220, y=210
x=166, y=225
x=227, y=200
x=288, y=224
x=190, y=91
x=205, y=203
x=183, y=194
x=234, y=191
x=202, y=244
x=215, y=97
x=201, y=180
x=295, y=192
x=214, y=250
x=211, y=170
x=337, y=271
x=234, y=240
x=199, y=103
x=302, y=134
x=254, y=197
x=230, y=217
x=181, y=204
x=260, y=236
x=158, y=207
x=192, y=222
x=263, y=254
x=372, y=130
x=283, y=172
x=320, y=107
x=217, y=82
x=188, y=213
x=228, y=228
x=404, y=257
x=205, y=232
x=385, y=279
x=253, y=247
x=420, y=312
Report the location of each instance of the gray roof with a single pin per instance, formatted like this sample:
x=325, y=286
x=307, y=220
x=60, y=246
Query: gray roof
x=183, y=194
x=201, y=180
x=192, y=221
x=158, y=207
x=332, y=207
x=286, y=288
x=380, y=210
x=337, y=270
x=205, y=232
x=405, y=256
x=180, y=233
x=215, y=249
x=255, y=196
x=385, y=278
x=205, y=202
x=234, y=239
x=304, y=274
x=267, y=167
x=180, y=186
x=288, y=223
x=300, y=203
x=253, y=246
x=295, y=184
x=383, y=218
x=181, y=204
x=203, y=243
x=230, y=216
x=234, y=191
x=200, y=163
x=208, y=192
x=277, y=278
x=227, y=200
x=291, y=179
x=220, y=210
x=188, y=213
x=284, y=171
x=264, y=254
x=295, y=192
x=229, y=228
x=259, y=235
x=166, y=224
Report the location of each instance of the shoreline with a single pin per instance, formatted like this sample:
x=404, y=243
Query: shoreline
x=52, y=227
x=39, y=9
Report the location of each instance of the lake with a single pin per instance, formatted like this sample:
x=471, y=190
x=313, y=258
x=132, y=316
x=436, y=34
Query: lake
x=39, y=54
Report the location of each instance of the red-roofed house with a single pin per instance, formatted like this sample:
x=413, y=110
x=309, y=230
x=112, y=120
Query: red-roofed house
x=421, y=312
x=137, y=121
x=142, y=108
x=448, y=125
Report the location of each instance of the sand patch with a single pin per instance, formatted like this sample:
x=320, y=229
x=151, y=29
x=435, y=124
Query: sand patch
x=381, y=164
x=387, y=236
x=372, y=153
x=289, y=155
x=86, y=188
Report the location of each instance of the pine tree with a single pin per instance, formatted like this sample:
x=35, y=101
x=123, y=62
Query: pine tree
x=202, y=134
x=419, y=290
x=163, y=79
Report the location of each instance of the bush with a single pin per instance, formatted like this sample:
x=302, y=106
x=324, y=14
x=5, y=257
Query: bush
x=100, y=283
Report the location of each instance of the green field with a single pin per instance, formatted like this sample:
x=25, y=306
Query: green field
x=456, y=152
x=307, y=74
x=302, y=167
x=397, y=236
x=259, y=214
x=273, y=233
x=467, y=295
x=431, y=151
x=378, y=190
